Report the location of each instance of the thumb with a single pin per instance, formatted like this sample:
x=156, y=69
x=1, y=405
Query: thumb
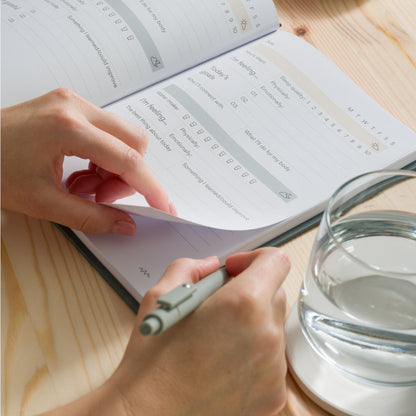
x=87, y=216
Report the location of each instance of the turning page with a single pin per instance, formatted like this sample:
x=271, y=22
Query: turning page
x=107, y=49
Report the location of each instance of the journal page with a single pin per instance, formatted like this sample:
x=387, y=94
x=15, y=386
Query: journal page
x=267, y=131
x=107, y=49
x=261, y=134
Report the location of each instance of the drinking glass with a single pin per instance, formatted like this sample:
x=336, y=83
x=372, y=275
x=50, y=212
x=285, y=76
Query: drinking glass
x=357, y=307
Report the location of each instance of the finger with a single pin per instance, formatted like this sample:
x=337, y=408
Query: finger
x=73, y=176
x=112, y=189
x=92, y=170
x=115, y=156
x=85, y=215
x=104, y=190
x=178, y=272
x=84, y=184
x=262, y=270
x=116, y=126
x=104, y=174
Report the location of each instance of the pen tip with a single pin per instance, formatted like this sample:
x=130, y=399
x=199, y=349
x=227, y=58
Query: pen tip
x=145, y=329
x=150, y=326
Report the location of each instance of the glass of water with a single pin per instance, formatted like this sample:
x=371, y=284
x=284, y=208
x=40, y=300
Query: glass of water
x=357, y=307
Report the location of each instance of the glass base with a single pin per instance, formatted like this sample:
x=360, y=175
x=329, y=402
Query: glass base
x=336, y=391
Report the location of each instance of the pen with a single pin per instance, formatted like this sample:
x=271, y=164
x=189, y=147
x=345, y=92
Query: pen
x=181, y=301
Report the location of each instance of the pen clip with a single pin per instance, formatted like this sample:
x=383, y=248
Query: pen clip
x=178, y=295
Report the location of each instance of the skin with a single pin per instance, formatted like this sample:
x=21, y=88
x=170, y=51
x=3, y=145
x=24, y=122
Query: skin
x=226, y=358
x=38, y=134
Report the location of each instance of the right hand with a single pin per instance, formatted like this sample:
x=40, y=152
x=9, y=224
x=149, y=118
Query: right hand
x=226, y=358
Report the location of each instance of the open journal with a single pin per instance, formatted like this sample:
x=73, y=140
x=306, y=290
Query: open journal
x=250, y=128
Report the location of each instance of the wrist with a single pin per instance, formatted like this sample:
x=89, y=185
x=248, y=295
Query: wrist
x=147, y=395
x=129, y=398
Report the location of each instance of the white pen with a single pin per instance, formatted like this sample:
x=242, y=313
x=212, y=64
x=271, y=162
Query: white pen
x=181, y=301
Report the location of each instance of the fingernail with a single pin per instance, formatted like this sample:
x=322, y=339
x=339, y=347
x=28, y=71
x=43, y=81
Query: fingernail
x=172, y=209
x=124, y=228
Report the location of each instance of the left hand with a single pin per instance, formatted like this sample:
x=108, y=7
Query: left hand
x=38, y=134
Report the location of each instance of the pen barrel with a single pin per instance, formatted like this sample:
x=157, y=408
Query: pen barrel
x=204, y=288
x=210, y=284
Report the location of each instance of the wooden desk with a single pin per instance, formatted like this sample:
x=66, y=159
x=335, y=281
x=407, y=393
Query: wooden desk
x=64, y=329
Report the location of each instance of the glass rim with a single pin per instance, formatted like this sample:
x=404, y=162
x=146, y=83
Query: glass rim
x=327, y=213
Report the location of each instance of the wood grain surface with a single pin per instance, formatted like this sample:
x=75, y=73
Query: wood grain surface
x=64, y=329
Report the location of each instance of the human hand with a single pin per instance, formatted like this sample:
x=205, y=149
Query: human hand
x=226, y=358
x=38, y=134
